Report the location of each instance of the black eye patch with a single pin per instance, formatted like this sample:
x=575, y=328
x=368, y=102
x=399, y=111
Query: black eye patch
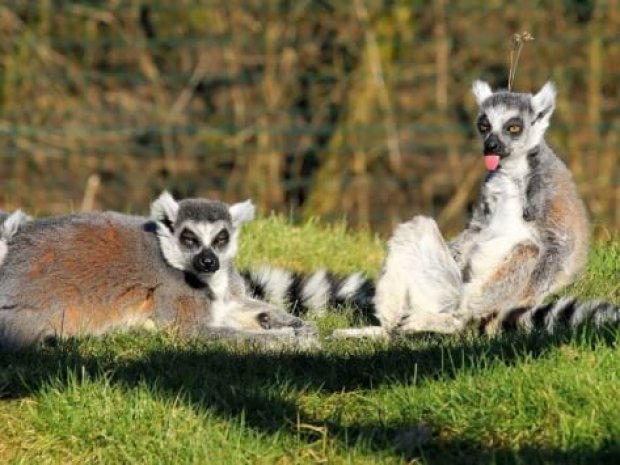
x=483, y=124
x=222, y=238
x=513, y=126
x=189, y=239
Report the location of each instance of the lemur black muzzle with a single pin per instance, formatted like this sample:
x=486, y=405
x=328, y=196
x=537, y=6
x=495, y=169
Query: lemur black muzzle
x=206, y=262
x=493, y=150
x=494, y=146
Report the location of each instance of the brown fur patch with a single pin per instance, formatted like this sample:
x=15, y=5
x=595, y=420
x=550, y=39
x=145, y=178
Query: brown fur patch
x=565, y=210
x=528, y=296
x=69, y=322
x=133, y=307
x=147, y=305
x=187, y=310
x=96, y=246
x=48, y=257
x=512, y=263
x=112, y=234
x=92, y=279
x=137, y=298
x=35, y=271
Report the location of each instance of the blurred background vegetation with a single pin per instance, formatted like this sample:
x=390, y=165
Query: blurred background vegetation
x=358, y=109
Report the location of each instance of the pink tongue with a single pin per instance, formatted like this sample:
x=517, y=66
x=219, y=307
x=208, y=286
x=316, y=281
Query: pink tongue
x=491, y=162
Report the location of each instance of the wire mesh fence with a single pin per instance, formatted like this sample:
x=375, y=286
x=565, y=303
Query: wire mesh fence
x=358, y=109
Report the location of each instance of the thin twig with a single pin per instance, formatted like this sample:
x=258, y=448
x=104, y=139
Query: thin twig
x=518, y=41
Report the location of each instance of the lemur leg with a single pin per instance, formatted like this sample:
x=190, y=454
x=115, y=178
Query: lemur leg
x=249, y=313
x=549, y=275
x=462, y=245
x=265, y=338
x=426, y=322
x=502, y=287
x=419, y=287
x=239, y=318
x=367, y=332
x=419, y=322
x=246, y=319
x=421, y=284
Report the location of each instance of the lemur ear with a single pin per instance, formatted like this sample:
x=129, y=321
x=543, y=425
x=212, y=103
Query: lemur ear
x=481, y=90
x=12, y=223
x=242, y=212
x=543, y=103
x=165, y=209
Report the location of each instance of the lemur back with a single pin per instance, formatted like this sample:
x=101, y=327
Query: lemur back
x=558, y=213
x=74, y=275
x=91, y=273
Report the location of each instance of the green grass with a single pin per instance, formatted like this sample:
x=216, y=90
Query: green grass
x=151, y=398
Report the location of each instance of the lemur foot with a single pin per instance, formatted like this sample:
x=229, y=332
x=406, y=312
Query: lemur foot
x=529, y=214
x=367, y=332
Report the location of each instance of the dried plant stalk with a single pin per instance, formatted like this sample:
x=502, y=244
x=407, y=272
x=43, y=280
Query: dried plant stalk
x=518, y=41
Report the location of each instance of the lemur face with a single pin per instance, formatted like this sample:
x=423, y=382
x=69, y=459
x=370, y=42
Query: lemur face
x=511, y=124
x=199, y=236
x=203, y=245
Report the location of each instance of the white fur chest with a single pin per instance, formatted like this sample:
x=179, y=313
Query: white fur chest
x=505, y=200
x=219, y=284
x=506, y=227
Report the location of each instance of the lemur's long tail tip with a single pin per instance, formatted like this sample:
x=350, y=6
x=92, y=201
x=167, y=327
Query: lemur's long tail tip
x=566, y=312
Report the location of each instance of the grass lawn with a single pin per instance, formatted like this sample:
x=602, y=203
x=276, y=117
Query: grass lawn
x=151, y=398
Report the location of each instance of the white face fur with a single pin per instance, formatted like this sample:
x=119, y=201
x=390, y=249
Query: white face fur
x=199, y=236
x=511, y=124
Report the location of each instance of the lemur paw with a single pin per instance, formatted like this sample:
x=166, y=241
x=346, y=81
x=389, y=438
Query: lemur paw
x=529, y=214
x=308, y=329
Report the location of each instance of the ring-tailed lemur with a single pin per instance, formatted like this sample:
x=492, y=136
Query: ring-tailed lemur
x=91, y=273
x=9, y=225
x=527, y=238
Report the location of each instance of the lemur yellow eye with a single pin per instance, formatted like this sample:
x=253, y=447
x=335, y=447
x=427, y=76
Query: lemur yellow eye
x=514, y=129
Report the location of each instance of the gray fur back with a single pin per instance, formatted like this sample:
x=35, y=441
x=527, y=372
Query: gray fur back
x=93, y=268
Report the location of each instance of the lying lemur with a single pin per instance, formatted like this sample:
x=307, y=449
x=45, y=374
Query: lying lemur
x=87, y=274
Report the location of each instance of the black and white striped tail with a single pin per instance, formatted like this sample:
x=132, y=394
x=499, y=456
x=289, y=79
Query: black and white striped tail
x=315, y=293
x=567, y=312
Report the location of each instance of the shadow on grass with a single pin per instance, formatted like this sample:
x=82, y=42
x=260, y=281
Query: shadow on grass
x=402, y=441
x=264, y=386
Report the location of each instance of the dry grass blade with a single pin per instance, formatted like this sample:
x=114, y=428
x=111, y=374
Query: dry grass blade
x=517, y=41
